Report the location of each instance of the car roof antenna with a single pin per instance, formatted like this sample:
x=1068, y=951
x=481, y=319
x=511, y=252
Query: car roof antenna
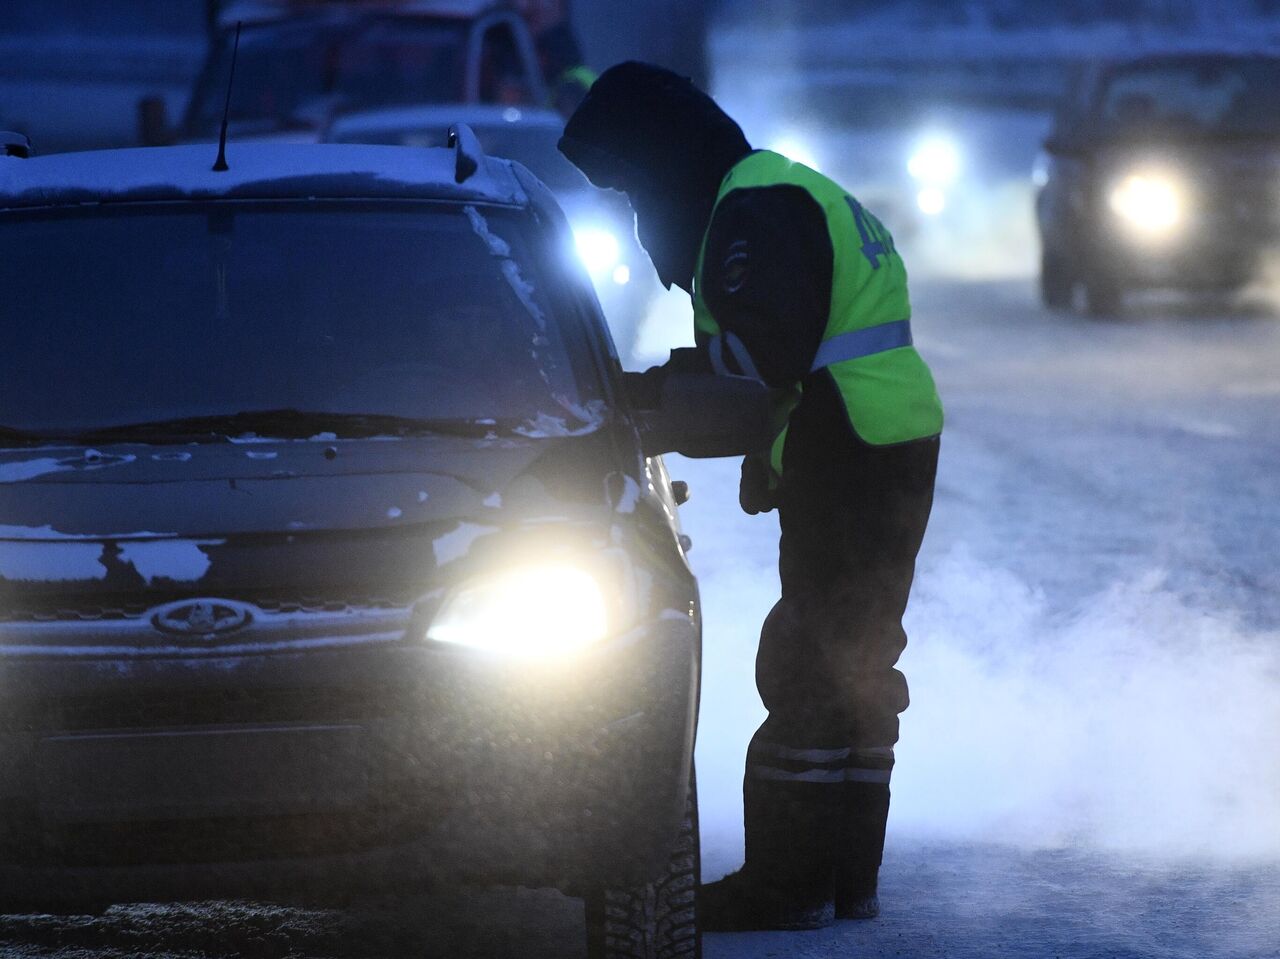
x=220, y=164
x=467, y=151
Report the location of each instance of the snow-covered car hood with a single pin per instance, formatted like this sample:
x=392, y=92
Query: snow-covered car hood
x=142, y=491
x=307, y=517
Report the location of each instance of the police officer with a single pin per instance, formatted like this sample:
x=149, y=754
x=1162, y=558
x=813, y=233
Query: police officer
x=793, y=282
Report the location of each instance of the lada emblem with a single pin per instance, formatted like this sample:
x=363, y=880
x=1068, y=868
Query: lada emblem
x=202, y=617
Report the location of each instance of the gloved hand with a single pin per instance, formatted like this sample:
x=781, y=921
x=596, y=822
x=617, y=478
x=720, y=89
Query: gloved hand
x=754, y=494
x=645, y=389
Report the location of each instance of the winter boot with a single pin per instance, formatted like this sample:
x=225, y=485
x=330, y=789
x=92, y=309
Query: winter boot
x=787, y=880
x=747, y=900
x=857, y=868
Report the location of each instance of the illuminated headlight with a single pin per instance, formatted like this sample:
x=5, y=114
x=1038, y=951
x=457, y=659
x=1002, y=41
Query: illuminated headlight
x=598, y=248
x=1151, y=203
x=935, y=162
x=533, y=611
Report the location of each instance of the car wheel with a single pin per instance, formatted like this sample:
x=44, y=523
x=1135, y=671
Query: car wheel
x=658, y=920
x=1103, y=296
x=1057, y=285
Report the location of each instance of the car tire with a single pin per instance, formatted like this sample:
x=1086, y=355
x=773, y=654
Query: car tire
x=658, y=920
x=1057, y=285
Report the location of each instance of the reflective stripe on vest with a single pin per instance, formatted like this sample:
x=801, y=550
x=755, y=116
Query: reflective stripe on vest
x=859, y=343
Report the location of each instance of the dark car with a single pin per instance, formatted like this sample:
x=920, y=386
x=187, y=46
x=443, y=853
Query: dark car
x=299, y=65
x=1161, y=171
x=332, y=556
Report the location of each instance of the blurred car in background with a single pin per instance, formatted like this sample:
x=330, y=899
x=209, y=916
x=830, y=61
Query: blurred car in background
x=1161, y=172
x=300, y=65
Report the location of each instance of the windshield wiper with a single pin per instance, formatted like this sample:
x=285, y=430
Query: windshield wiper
x=287, y=424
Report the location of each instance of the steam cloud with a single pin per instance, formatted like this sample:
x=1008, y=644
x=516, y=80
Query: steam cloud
x=1141, y=723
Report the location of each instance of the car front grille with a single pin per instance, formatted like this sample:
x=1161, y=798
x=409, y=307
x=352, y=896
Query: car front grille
x=121, y=632
x=16, y=610
x=1242, y=191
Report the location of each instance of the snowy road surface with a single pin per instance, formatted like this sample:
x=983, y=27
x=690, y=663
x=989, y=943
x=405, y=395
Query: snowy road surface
x=1090, y=765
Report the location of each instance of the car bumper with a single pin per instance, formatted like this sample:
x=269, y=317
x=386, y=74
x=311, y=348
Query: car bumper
x=1183, y=269
x=1212, y=255
x=319, y=774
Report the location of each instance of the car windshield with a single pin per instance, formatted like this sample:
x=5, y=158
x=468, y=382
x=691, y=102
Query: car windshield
x=296, y=74
x=1212, y=95
x=432, y=312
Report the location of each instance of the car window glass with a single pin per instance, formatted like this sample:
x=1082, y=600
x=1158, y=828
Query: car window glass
x=503, y=77
x=297, y=75
x=1210, y=95
x=337, y=308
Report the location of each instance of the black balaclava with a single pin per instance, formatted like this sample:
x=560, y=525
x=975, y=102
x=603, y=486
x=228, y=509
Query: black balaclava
x=655, y=136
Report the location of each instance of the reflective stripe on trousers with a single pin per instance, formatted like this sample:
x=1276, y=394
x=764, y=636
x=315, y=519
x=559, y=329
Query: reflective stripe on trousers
x=774, y=761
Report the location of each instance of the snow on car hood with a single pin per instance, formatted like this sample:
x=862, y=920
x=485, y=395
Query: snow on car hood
x=147, y=492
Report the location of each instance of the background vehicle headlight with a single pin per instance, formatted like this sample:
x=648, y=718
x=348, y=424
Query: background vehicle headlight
x=533, y=611
x=931, y=200
x=1151, y=203
x=598, y=248
x=935, y=162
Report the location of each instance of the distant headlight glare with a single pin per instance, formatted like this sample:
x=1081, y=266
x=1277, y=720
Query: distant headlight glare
x=1152, y=204
x=536, y=611
x=931, y=201
x=936, y=162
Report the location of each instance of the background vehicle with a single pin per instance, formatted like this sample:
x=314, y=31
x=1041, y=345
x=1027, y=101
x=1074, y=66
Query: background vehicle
x=301, y=65
x=369, y=577
x=402, y=73
x=1160, y=172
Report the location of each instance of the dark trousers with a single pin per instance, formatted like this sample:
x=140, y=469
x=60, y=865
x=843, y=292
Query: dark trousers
x=816, y=789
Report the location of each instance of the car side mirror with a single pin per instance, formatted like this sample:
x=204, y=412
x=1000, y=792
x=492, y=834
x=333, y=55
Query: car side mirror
x=153, y=122
x=703, y=415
